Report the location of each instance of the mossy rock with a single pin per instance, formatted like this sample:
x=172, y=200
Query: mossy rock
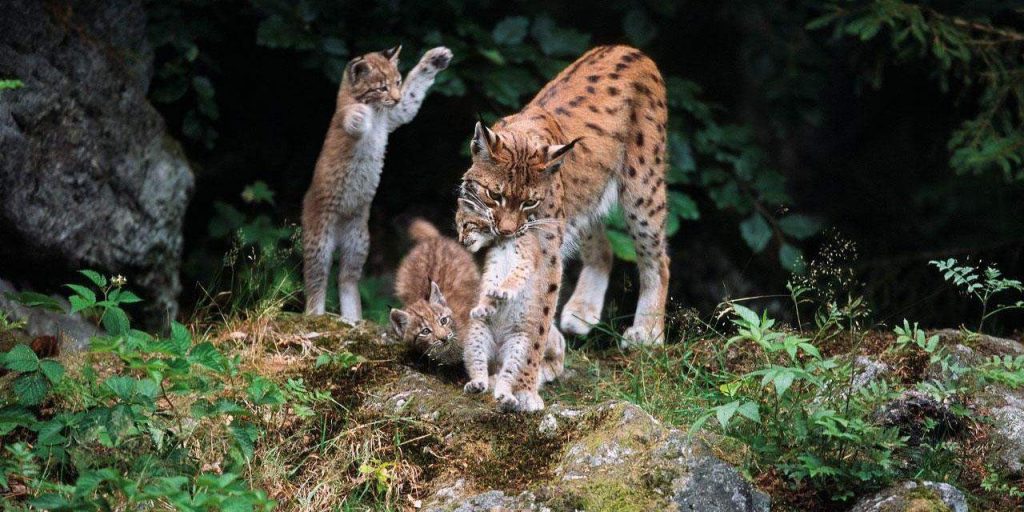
x=915, y=497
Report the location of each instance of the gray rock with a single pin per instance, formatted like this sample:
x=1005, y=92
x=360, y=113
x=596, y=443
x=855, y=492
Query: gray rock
x=88, y=176
x=868, y=370
x=914, y=496
x=1008, y=435
x=72, y=331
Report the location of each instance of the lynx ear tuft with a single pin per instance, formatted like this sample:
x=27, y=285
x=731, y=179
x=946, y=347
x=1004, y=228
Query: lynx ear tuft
x=399, y=321
x=556, y=152
x=484, y=141
x=392, y=53
x=436, y=297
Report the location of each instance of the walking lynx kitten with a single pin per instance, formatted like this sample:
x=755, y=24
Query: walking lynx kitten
x=613, y=100
x=372, y=102
x=438, y=283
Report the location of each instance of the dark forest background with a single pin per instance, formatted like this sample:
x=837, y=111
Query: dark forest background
x=870, y=136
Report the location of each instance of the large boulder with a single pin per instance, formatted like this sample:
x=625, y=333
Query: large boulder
x=89, y=177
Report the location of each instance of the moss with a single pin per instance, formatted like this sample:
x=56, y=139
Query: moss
x=919, y=499
x=611, y=494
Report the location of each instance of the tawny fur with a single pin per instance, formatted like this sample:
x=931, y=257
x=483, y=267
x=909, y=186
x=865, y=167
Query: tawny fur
x=613, y=98
x=372, y=102
x=438, y=284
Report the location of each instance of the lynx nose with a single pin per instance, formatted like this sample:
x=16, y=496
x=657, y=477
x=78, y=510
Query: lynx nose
x=506, y=227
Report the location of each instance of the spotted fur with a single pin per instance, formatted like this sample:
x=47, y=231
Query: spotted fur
x=372, y=102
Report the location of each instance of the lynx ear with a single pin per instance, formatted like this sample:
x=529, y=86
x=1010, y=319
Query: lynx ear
x=357, y=69
x=554, y=154
x=484, y=141
x=392, y=54
x=399, y=321
x=436, y=297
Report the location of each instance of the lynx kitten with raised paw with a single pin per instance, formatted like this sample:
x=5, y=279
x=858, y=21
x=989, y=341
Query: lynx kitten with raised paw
x=372, y=102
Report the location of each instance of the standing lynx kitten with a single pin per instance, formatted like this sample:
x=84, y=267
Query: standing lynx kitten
x=612, y=100
x=372, y=102
x=438, y=283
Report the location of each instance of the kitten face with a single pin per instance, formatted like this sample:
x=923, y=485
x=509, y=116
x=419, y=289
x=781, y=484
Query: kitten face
x=374, y=78
x=427, y=324
x=474, y=225
x=510, y=177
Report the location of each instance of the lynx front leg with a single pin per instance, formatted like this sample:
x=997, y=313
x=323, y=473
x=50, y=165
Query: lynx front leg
x=354, y=244
x=416, y=84
x=584, y=307
x=477, y=354
x=553, y=365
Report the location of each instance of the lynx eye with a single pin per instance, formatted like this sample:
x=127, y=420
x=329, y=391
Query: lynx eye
x=382, y=88
x=445, y=320
x=529, y=205
x=494, y=195
x=426, y=331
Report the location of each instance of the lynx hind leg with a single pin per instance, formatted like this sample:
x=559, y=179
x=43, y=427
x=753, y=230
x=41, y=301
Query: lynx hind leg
x=317, y=250
x=354, y=245
x=583, y=310
x=478, y=352
x=553, y=365
x=642, y=195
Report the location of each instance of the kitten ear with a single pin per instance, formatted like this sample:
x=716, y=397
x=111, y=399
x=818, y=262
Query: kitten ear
x=399, y=321
x=436, y=297
x=554, y=153
x=356, y=69
x=484, y=142
x=392, y=54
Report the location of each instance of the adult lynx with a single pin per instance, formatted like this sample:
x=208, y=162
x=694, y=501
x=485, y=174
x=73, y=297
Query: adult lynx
x=372, y=102
x=612, y=100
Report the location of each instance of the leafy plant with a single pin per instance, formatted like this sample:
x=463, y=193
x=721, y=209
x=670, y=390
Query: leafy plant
x=798, y=413
x=982, y=285
x=113, y=431
x=972, y=52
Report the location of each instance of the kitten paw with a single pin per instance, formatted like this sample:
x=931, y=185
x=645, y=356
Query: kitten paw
x=474, y=387
x=529, y=402
x=482, y=311
x=436, y=59
x=507, y=402
x=357, y=118
x=498, y=294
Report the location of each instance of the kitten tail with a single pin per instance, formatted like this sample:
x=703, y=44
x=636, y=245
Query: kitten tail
x=421, y=230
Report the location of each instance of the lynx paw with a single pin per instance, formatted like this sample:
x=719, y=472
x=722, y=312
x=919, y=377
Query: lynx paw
x=507, y=402
x=436, y=59
x=474, y=387
x=529, y=402
x=498, y=294
x=640, y=335
x=482, y=311
x=357, y=119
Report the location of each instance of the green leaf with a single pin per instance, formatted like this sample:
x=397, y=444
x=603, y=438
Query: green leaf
x=622, y=245
x=21, y=358
x=492, y=55
x=750, y=410
x=791, y=259
x=30, y=388
x=638, y=27
x=747, y=315
x=83, y=292
x=53, y=370
x=756, y=232
x=122, y=387
x=725, y=412
x=245, y=435
x=800, y=226
x=127, y=297
x=115, y=321
x=558, y=42
x=11, y=84
x=782, y=381
x=207, y=355
x=511, y=30
x=258, y=192
x=263, y=391
x=79, y=303
x=36, y=300
x=96, y=278
x=50, y=502
x=683, y=205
